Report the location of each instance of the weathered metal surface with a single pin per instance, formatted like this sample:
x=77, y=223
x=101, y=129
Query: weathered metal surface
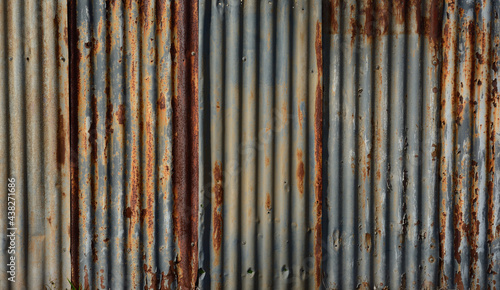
x=134, y=157
x=34, y=142
x=261, y=144
x=411, y=197
x=396, y=189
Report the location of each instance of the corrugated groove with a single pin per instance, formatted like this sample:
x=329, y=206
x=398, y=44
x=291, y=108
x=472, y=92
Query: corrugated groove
x=260, y=135
x=136, y=106
x=34, y=125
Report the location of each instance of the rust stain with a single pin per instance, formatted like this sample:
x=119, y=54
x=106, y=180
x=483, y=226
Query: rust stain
x=120, y=114
x=333, y=7
x=318, y=156
x=217, y=210
x=367, y=27
x=433, y=26
x=185, y=127
x=153, y=284
x=300, y=173
x=268, y=202
x=368, y=242
x=61, y=140
x=382, y=17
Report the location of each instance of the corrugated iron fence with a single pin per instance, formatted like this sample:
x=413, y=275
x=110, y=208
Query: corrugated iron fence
x=335, y=144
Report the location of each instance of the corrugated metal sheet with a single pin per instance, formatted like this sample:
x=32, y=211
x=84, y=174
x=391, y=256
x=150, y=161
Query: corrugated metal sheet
x=135, y=146
x=411, y=198
x=344, y=143
x=397, y=190
x=34, y=143
x=260, y=135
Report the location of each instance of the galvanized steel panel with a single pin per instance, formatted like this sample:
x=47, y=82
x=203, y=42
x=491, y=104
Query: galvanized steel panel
x=135, y=122
x=34, y=143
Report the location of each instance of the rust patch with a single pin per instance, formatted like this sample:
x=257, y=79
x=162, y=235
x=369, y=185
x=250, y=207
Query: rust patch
x=368, y=242
x=120, y=114
x=333, y=6
x=367, y=27
x=153, y=284
x=268, y=202
x=217, y=209
x=61, y=140
x=382, y=16
x=432, y=24
x=300, y=173
x=184, y=26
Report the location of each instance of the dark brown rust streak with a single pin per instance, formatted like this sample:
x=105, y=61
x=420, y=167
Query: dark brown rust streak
x=185, y=140
x=74, y=59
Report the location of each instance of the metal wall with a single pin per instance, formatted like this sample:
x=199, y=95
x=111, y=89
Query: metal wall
x=134, y=143
x=343, y=143
x=34, y=143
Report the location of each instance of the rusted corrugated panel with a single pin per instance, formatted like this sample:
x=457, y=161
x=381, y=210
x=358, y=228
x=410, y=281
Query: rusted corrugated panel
x=135, y=147
x=34, y=142
x=409, y=198
x=411, y=117
x=261, y=144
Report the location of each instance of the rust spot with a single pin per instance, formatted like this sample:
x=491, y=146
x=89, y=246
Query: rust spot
x=300, y=172
x=368, y=242
x=144, y=213
x=268, y=202
x=120, y=114
x=267, y=161
x=161, y=102
x=127, y=212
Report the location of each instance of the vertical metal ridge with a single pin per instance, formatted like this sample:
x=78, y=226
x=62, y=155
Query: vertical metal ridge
x=136, y=168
